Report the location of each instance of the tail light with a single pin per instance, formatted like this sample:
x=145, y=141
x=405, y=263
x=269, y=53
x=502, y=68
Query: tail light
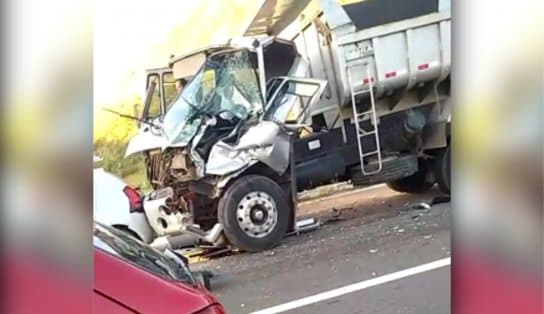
x=134, y=199
x=213, y=309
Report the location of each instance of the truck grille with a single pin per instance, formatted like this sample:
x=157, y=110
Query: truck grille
x=156, y=166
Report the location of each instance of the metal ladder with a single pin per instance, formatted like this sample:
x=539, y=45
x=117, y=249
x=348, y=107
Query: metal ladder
x=358, y=119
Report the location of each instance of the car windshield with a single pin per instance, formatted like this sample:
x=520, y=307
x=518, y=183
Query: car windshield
x=124, y=246
x=227, y=82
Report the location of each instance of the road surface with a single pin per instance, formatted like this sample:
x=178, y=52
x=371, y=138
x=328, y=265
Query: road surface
x=369, y=250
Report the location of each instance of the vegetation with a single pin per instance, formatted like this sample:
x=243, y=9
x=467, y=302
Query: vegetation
x=110, y=144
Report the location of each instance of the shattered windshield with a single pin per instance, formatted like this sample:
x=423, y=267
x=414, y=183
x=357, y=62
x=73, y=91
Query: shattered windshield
x=227, y=83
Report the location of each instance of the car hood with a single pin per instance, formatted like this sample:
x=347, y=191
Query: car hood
x=130, y=285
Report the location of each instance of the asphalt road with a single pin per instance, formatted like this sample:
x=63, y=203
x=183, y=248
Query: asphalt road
x=372, y=237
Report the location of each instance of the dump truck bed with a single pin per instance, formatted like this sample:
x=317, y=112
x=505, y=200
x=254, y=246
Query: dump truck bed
x=391, y=44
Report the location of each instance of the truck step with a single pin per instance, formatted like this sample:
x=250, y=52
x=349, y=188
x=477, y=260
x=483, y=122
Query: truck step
x=392, y=168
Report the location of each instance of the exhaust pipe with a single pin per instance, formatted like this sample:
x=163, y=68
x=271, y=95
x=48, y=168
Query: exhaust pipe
x=210, y=236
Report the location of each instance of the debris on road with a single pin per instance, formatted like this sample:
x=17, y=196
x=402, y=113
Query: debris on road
x=203, y=253
x=304, y=225
x=336, y=212
x=428, y=236
x=193, y=254
x=418, y=206
x=222, y=252
x=425, y=206
x=336, y=215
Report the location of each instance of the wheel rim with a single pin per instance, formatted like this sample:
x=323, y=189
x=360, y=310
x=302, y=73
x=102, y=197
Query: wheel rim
x=257, y=214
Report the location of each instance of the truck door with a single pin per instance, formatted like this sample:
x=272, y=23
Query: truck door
x=289, y=100
x=160, y=93
x=152, y=102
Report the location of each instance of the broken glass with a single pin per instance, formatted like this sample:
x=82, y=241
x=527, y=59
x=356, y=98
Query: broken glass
x=226, y=84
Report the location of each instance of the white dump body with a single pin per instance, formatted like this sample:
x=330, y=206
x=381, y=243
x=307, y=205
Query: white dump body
x=398, y=55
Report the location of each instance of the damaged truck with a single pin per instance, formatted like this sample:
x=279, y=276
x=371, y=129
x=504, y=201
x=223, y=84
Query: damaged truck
x=314, y=93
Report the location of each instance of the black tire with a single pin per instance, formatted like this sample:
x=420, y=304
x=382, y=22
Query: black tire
x=442, y=170
x=228, y=206
x=421, y=181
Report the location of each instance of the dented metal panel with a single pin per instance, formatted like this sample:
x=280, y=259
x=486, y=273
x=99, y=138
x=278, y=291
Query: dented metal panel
x=262, y=142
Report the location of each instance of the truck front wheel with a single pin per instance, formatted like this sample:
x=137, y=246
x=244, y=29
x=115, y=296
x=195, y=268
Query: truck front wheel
x=419, y=182
x=254, y=213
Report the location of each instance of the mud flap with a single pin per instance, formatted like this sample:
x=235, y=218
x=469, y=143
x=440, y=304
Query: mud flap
x=293, y=181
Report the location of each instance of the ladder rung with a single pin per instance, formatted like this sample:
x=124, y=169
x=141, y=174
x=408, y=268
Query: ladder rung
x=371, y=125
x=360, y=118
x=370, y=153
x=363, y=131
x=365, y=113
x=361, y=92
x=359, y=57
x=366, y=133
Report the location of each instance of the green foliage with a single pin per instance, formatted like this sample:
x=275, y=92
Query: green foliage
x=131, y=169
x=112, y=153
x=111, y=146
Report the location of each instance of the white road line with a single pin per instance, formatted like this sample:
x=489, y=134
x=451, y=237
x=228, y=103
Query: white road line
x=355, y=287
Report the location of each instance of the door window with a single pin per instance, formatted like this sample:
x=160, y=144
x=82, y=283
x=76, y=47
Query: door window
x=292, y=100
x=169, y=89
x=154, y=109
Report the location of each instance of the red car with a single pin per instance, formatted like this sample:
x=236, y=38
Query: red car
x=131, y=277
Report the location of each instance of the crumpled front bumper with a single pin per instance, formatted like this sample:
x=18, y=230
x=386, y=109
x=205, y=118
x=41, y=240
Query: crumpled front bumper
x=162, y=219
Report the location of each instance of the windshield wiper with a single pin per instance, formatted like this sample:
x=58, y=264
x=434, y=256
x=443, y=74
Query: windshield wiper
x=127, y=116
